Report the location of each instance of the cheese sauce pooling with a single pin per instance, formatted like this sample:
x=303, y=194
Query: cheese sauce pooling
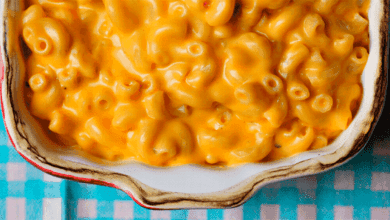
x=171, y=82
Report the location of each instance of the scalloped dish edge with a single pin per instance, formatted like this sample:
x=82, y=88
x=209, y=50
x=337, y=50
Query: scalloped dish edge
x=22, y=138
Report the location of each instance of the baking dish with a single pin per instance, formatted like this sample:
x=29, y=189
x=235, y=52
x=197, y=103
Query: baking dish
x=188, y=186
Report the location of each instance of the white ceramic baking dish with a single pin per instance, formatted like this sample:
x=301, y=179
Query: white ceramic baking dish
x=186, y=186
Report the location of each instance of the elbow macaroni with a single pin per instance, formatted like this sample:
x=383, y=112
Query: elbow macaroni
x=173, y=82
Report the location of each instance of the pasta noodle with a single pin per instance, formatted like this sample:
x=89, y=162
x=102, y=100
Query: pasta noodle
x=357, y=60
x=325, y=6
x=322, y=103
x=292, y=58
x=59, y=124
x=298, y=91
x=127, y=90
x=69, y=78
x=104, y=99
x=84, y=141
x=344, y=45
x=319, y=142
x=314, y=29
x=155, y=106
x=38, y=82
x=277, y=112
x=218, y=82
x=126, y=117
x=272, y=84
x=284, y=21
x=292, y=140
x=254, y=152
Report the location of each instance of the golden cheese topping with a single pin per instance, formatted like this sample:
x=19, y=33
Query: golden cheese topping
x=172, y=82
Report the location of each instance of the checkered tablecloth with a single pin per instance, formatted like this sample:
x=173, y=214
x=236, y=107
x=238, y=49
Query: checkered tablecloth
x=359, y=189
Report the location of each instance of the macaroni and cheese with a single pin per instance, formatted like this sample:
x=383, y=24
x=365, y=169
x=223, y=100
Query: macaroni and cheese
x=171, y=82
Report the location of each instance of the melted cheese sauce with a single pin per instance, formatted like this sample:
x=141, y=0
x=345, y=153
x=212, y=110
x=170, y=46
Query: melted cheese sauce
x=174, y=82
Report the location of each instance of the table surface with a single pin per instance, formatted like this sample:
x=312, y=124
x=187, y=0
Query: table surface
x=360, y=189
